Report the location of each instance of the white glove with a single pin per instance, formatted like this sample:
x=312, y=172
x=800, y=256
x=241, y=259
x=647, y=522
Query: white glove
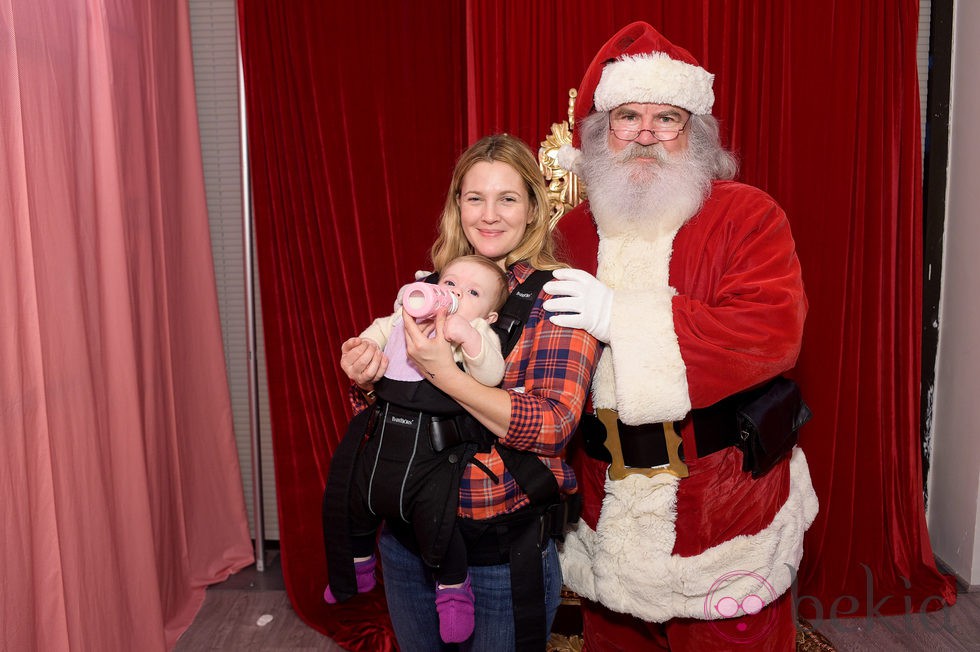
x=586, y=300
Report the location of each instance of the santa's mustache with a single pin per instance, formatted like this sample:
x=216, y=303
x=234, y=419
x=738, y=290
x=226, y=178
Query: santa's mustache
x=636, y=150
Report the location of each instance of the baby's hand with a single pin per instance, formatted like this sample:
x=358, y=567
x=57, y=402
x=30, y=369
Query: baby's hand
x=420, y=275
x=458, y=330
x=399, y=297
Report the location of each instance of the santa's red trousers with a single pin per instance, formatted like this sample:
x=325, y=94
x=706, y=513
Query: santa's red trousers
x=770, y=630
x=715, y=503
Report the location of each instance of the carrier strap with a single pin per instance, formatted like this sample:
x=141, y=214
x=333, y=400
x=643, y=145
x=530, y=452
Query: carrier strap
x=516, y=310
x=517, y=539
x=336, y=497
x=527, y=590
x=533, y=476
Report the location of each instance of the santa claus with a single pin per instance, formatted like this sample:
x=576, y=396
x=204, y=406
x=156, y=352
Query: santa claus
x=693, y=282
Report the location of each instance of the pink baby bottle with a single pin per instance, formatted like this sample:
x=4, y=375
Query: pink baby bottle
x=423, y=300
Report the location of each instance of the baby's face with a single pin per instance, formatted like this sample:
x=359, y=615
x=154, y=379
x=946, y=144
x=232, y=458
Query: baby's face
x=475, y=285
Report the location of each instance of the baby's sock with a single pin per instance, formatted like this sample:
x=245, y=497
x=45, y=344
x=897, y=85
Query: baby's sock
x=364, y=571
x=455, y=607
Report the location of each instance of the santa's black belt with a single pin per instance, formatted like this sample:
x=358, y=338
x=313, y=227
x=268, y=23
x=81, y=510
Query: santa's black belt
x=652, y=448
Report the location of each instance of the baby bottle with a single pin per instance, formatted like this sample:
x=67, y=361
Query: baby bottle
x=423, y=300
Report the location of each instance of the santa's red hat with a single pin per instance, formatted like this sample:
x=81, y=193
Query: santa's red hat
x=639, y=65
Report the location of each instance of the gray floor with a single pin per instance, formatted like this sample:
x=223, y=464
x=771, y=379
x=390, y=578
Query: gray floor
x=229, y=618
x=951, y=628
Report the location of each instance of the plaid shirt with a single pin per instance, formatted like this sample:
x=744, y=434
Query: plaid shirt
x=548, y=375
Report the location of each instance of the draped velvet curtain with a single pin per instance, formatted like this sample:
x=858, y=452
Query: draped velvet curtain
x=356, y=118
x=121, y=492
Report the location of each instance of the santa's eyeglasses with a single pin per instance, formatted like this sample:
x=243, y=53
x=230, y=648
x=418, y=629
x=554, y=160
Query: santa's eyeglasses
x=624, y=128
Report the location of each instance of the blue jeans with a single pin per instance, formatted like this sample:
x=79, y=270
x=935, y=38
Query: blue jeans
x=410, y=590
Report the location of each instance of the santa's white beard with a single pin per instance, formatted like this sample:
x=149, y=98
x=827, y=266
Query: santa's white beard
x=645, y=198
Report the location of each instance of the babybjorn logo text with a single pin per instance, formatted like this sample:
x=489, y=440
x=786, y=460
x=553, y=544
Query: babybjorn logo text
x=403, y=421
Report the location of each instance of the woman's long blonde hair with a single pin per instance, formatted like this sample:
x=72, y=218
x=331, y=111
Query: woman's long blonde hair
x=537, y=246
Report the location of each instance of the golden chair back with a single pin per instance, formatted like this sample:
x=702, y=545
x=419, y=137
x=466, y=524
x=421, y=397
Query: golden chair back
x=565, y=191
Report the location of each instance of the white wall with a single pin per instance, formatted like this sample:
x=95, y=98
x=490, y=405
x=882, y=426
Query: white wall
x=954, y=479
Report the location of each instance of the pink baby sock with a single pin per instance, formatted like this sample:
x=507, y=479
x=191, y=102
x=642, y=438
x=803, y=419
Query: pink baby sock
x=364, y=570
x=455, y=607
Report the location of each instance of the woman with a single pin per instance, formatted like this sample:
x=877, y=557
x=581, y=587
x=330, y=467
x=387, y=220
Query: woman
x=496, y=206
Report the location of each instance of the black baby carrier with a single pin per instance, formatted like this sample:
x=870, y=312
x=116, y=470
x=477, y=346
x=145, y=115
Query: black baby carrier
x=415, y=421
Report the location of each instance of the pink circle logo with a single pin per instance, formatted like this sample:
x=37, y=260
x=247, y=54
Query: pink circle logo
x=736, y=623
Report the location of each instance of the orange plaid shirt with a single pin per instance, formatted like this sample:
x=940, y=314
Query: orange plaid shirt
x=548, y=376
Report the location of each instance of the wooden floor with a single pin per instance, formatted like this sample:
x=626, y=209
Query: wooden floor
x=229, y=618
x=229, y=621
x=951, y=629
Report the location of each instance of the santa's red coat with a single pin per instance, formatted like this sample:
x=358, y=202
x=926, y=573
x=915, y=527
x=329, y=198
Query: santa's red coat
x=700, y=312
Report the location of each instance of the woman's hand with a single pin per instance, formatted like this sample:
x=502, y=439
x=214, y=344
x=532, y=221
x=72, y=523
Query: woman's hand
x=432, y=354
x=363, y=361
x=434, y=358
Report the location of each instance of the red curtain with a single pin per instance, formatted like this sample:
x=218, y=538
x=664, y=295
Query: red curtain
x=356, y=116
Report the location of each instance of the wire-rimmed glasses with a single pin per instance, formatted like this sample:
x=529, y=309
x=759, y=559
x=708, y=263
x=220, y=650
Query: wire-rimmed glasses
x=668, y=128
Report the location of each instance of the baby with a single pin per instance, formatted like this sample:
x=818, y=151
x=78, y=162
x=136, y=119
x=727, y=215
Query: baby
x=481, y=289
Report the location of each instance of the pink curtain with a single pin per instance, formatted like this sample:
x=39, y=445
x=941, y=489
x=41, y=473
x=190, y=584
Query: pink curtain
x=121, y=488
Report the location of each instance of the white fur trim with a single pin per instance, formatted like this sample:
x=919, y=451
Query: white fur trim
x=567, y=157
x=656, y=78
x=649, y=386
x=626, y=563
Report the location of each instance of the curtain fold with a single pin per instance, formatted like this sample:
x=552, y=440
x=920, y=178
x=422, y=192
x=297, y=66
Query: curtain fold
x=122, y=492
x=356, y=118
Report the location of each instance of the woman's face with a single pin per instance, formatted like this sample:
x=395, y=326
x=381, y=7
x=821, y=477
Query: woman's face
x=494, y=209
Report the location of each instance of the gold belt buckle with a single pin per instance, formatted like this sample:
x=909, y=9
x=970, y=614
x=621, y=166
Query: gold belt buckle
x=618, y=469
